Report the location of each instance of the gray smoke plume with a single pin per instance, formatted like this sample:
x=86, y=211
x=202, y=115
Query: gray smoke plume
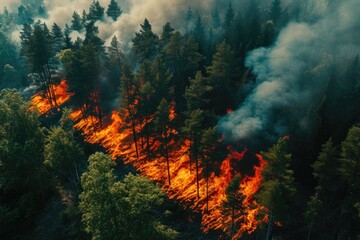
x=290, y=75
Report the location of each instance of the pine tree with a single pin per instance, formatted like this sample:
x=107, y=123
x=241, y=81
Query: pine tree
x=193, y=130
x=67, y=43
x=166, y=34
x=223, y=77
x=56, y=38
x=146, y=43
x=277, y=188
x=76, y=22
x=96, y=11
x=114, y=11
x=129, y=94
x=162, y=124
x=233, y=202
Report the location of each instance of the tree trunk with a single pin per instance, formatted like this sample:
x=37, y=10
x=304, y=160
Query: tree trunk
x=147, y=138
x=270, y=225
x=167, y=160
x=310, y=228
x=134, y=135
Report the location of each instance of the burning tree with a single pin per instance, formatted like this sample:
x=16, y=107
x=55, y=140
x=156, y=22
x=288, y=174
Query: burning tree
x=37, y=49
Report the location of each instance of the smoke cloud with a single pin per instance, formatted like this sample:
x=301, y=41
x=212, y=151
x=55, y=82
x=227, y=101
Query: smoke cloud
x=289, y=75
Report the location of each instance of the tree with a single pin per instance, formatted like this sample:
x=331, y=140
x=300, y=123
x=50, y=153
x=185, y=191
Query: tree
x=67, y=43
x=128, y=99
x=120, y=210
x=166, y=34
x=146, y=43
x=233, y=201
x=199, y=35
x=63, y=154
x=114, y=11
x=182, y=59
x=9, y=76
x=277, y=188
x=162, y=124
x=96, y=11
x=275, y=11
x=56, y=38
x=207, y=149
x=224, y=77
x=193, y=130
x=350, y=173
x=196, y=93
x=229, y=17
x=25, y=183
x=76, y=22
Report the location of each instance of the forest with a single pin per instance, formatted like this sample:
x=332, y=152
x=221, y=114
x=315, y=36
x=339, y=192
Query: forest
x=169, y=119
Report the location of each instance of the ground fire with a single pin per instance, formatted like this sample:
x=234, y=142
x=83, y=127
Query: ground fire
x=117, y=139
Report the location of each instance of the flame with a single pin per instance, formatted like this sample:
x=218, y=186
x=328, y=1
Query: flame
x=117, y=139
x=43, y=104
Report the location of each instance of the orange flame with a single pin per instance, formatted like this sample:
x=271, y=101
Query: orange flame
x=43, y=104
x=117, y=139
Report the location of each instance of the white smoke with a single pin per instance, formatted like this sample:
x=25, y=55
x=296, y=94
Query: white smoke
x=284, y=92
x=158, y=12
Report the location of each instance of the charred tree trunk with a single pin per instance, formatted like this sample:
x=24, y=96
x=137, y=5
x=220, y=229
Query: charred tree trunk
x=133, y=126
x=147, y=138
x=167, y=160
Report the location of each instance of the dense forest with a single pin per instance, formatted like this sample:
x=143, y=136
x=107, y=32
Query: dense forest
x=130, y=119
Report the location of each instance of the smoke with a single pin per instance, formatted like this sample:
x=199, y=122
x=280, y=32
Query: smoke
x=290, y=77
x=158, y=12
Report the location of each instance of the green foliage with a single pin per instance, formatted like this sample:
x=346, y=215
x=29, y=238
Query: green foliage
x=76, y=22
x=24, y=180
x=96, y=11
x=146, y=43
x=277, y=189
x=63, y=154
x=326, y=169
x=119, y=210
x=114, y=11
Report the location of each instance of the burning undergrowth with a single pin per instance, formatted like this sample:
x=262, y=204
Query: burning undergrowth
x=116, y=136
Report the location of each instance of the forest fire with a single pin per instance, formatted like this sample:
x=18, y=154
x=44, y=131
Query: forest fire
x=44, y=104
x=118, y=140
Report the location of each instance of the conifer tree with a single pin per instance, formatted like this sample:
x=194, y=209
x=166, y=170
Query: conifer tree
x=114, y=11
x=76, y=22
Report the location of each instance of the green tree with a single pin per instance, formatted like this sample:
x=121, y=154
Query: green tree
x=8, y=63
x=63, y=154
x=182, y=59
x=207, y=150
x=162, y=123
x=67, y=43
x=96, y=11
x=166, y=34
x=350, y=173
x=76, y=22
x=128, y=96
x=193, y=130
x=146, y=43
x=24, y=180
x=224, y=78
x=196, y=93
x=56, y=38
x=120, y=210
x=277, y=188
x=114, y=11
x=233, y=202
